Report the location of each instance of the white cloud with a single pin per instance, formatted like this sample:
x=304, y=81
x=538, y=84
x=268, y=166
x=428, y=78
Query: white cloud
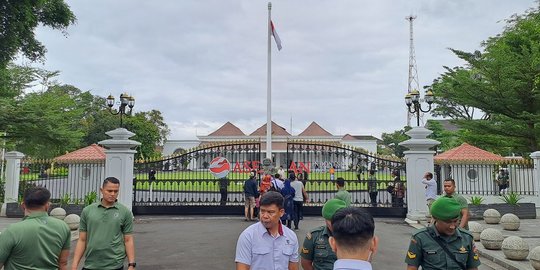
x=202, y=63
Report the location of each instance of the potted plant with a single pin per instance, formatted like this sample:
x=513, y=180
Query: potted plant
x=74, y=207
x=14, y=209
x=90, y=198
x=476, y=207
x=512, y=205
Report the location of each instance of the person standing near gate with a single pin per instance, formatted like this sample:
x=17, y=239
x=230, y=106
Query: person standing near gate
x=250, y=193
x=443, y=245
x=397, y=190
x=431, y=189
x=106, y=232
x=316, y=253
x=502, y=181
x=450, y=191
x=372, y=188
x=342, y=193
x=37, y=242
x=300, y=196
x=223, y=185
x=267, y=245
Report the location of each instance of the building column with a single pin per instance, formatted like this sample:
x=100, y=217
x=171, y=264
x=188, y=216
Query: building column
x=13, y=175
x=119, y=161
x=419, y=160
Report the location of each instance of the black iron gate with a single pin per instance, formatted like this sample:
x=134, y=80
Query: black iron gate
x=320, y=164
x=206, y=180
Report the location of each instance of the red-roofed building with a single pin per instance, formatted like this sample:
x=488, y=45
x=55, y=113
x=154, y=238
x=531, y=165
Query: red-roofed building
x=472, y=168
x=280, y=136
x=467, y=153
x=85, y=165
x=90, y=154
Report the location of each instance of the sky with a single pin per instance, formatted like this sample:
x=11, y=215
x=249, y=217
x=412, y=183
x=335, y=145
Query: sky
x=344, y=64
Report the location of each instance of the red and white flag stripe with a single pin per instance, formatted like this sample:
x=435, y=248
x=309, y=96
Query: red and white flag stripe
x=276, y=36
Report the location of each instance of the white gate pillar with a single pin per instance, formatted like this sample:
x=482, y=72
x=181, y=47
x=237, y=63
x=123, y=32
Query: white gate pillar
x=119, y=161
x=13, y=175
x=536, y=178
x=419, y=161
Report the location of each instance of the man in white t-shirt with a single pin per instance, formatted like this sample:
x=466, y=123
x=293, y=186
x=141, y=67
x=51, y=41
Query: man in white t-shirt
x=431, y=189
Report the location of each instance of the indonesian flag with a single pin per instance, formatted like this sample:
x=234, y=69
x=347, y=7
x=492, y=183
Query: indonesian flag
x=276, y=36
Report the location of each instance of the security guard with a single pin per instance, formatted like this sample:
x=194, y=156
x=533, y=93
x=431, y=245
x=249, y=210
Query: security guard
x=316, y=252
x=443, y=245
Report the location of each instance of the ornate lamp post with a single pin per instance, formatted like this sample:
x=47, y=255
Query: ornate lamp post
x=125, y=100
x=412, y=99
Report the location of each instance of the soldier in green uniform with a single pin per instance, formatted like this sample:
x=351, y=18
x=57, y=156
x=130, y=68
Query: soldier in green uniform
x=443, y=245
x=316, y=252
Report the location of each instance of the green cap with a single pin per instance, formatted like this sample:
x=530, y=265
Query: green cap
x=331, y=207
x=445, y=208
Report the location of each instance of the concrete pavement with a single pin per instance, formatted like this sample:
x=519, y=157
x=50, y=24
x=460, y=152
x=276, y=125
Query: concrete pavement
x=202, y=242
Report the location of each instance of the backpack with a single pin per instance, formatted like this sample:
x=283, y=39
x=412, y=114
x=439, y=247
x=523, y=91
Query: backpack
x=274, y=186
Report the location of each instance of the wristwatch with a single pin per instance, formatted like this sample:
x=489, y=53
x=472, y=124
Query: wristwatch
x=132, y=264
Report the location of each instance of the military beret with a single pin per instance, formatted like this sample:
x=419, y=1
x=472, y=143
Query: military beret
x=445, y=208
x=330, y=208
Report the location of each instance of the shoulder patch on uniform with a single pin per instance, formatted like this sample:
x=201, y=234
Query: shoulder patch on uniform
x=464, y=231
x=413, y=240
x=411, y=255
x=308, y=236
x=420, y=231
x=318, y=229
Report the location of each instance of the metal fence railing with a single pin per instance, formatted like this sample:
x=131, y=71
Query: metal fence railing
x=484, y=179
x=67, y=182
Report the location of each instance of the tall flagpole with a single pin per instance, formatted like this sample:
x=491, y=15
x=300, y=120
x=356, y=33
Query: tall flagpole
x=269, y=90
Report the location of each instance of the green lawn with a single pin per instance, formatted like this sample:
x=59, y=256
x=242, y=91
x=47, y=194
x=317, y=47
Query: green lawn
x=203, y=181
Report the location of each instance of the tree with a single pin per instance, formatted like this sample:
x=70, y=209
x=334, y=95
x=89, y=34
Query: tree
x=19, y=20
x=448, y=139
x=147, y=132
x=503, y=82
x=50, y=124
x=390, y=142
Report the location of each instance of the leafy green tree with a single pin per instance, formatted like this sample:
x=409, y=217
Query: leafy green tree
x=19, y=20
x=448, y=139
x=503, y=83
x=390, y=142
x=147, y=132
x=49, y=126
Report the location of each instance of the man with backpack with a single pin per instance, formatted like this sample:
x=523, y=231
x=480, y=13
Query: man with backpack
x=276, y=183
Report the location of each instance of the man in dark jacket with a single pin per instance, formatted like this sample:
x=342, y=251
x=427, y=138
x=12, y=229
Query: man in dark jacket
x=250, y=193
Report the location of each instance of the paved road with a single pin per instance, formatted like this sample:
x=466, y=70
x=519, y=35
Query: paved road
x=193, y=242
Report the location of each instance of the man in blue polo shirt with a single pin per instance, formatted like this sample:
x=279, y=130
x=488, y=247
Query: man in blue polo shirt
x=267, y=245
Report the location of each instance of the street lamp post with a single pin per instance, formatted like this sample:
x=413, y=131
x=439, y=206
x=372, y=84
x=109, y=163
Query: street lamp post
x=125, y=101
x=412, y=99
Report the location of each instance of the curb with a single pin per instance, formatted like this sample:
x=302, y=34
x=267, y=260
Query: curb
x=503, y=263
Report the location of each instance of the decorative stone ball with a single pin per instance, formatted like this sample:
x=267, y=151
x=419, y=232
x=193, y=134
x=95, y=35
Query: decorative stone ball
x=491, y=238
x=492, y=216
x=515, y=248
x=510, y=222
x=73, y=221
x=58, y=213
x=475, y=228
x=535, y=258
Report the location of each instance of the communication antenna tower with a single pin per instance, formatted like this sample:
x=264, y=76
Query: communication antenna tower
x=413, y=72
